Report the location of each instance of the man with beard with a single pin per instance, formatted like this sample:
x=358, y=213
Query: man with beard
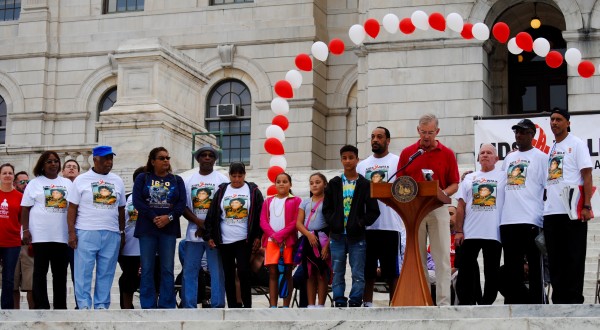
x=383, y=236
x=565, y=238
x=442, y=161
x=521, y=219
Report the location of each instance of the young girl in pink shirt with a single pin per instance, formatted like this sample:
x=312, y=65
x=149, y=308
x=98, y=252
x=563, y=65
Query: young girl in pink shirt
x=278, y=221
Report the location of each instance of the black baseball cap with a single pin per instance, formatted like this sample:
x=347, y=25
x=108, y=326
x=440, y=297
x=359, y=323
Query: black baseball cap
x=525, y=123
x=561, y=112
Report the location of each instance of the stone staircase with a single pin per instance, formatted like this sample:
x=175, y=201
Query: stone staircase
x=300, y=188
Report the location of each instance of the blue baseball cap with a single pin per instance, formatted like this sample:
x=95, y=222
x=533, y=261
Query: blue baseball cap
x=103, y=151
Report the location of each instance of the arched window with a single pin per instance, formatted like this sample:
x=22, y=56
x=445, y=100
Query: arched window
x=2, y=121
x=228, y=110
x=106, y=102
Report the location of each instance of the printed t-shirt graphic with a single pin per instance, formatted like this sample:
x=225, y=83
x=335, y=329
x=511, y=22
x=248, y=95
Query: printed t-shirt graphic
x=159, y=194
x=555, y=167
x=235, y=210
x=132, y=213
x=201, y=199
x=104, y=195
x=377, y=173
x=55, y=199
x=484, y=193
x=517, y=173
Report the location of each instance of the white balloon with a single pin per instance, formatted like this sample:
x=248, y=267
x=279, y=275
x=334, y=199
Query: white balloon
x=357, y=34
x=420, y=20
x=541, y=47
x=481, y=31
x=294, y=77
x=280, y=106
x=278, y=161
x=573, y=56
x=513, y=48
x=455, y=22
x=391, y=23
x=274, y=131
x=320, y=51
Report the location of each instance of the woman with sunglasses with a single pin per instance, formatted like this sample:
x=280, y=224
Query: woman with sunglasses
x=160, y=199
x=10, y=232
x=233, y=226
x=45, y=224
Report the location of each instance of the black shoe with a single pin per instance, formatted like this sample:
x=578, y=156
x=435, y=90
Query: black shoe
x=352, y=304
x=341, y=304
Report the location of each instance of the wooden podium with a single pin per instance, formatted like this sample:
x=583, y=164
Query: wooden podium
x=412, y=288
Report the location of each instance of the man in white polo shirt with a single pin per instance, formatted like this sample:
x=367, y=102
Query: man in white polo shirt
x=96, y=218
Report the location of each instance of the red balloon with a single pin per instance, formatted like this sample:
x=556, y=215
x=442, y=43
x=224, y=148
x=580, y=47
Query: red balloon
x=274, y=147
x=501, y=32
x=554, y=59
x=372, y=27
x=524, y=41
x=281, y=121
x=271, y=190
x=303, y=62
x=283, y=88
x=586, y=69
x=467, y=31
x=437, y=21
x=273, y=172
x=407, y=26
x=336, y=46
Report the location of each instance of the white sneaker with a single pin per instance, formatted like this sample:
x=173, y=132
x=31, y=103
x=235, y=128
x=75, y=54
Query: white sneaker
x=311, y=306
x=367, y=304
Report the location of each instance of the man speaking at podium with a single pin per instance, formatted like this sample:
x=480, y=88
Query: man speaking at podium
x=429, y=153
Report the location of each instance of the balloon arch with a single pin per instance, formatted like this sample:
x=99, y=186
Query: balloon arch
x=391, y=23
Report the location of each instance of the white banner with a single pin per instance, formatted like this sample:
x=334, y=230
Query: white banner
x=499, y=133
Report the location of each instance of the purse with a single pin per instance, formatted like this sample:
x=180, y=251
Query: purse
x=303, y=241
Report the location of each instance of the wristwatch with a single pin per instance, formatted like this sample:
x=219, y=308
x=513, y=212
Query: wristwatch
x=170, y=217
x=121, y=232
x=588, y=207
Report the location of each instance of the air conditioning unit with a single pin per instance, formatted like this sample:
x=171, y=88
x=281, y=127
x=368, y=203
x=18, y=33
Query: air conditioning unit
x=228, y=110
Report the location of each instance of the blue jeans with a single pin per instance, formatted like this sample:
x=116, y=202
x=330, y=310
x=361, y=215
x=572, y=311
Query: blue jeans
x=10, y=256
x=191, y=267
x=164, y=245
x=98, y=248
x=356, y=251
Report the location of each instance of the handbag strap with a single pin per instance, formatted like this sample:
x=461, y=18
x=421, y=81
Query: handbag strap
x=313, y=211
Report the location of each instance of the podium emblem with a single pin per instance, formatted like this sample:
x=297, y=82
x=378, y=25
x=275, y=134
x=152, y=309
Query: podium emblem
x=405, y=189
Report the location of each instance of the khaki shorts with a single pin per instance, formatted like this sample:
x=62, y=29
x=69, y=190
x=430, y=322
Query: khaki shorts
x=24, y=271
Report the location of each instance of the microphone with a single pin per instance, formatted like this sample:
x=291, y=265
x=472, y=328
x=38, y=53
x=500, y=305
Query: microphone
x=410, y=160
x=427, y=174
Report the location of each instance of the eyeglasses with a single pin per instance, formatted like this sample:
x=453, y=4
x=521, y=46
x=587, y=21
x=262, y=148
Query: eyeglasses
x=53, y=161
x=23, y=181
x=207, y=154
x=163, y=158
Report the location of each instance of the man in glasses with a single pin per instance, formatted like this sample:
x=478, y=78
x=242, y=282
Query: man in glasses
x=70, y=171
x=441, y=160
x=200, y=189
x=96, y=218
x=521, y=221
x=24, y=270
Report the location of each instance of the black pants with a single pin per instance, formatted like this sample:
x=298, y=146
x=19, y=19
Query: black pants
x=236, y=255
x=518, y=242
x=466, y=281
x=55, y=255
x=566, y=241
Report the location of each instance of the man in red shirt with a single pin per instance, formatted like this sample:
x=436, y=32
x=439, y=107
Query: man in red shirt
x=442, y=161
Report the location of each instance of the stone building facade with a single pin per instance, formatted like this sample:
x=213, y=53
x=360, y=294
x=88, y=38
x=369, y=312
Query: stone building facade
x=167, y=58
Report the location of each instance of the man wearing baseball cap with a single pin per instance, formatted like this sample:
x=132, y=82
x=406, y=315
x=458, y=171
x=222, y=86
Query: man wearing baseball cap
x=207, y=179
x=96, y=228
x=521, y=220
x=565, y=238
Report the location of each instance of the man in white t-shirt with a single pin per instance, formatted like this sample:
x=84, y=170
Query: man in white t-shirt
x=384, y=235
x=521, y=221
x=96, y=220
x=480, y=199
x=566, y=239
x=200, y=189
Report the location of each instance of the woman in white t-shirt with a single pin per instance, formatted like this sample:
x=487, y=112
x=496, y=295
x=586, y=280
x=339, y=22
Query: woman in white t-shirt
x=44, y=223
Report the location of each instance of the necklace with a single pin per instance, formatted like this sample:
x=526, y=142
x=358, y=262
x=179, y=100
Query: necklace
x=281, y=210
